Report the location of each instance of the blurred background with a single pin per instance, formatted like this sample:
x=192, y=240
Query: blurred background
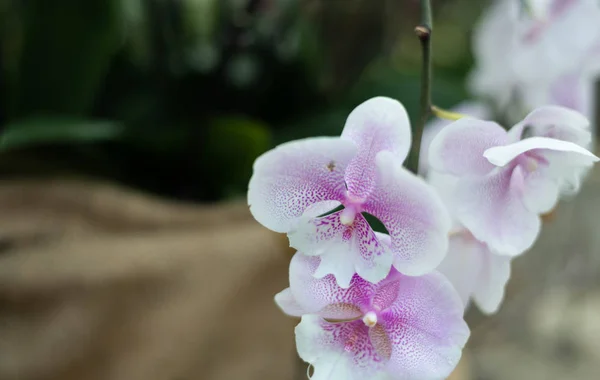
x=179, y=97
x=128, y=129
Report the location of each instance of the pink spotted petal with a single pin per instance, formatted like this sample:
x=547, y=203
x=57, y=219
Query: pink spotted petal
x=323, y=296
x=339, y=351
x=502, y=155
x=475, y=272
x=295, y=175
x=287, y=303
x=425, y=327
x=458, y=148
x=376, y=125
x=344, y=250
x=554, y=122
x=491, y=207
x=473, y=109
x=413, y=214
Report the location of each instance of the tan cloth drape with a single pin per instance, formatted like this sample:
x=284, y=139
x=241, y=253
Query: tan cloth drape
x=102, y=283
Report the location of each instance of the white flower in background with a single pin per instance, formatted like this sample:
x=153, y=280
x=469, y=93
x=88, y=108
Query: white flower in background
x=506, y=180
x=537, y=52
x=495, y=185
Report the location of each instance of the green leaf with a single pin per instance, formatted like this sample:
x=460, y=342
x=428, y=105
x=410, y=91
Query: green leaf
x=51, y=130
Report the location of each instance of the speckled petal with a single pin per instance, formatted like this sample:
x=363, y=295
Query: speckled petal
x=413, y=214
x=376, y=125
x=338, y=351
x=293, y=176
x=323, y=296
x=345, y=249
x=458, y=148
x=425, y=327
x=491, y=207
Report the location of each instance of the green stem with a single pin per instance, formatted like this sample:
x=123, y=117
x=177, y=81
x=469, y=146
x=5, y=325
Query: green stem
x=423, y=32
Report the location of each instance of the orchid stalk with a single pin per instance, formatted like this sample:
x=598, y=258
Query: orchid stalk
x=423, y=32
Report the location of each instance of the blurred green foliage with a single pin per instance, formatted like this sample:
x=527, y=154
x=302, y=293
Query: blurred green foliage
x=178, y=97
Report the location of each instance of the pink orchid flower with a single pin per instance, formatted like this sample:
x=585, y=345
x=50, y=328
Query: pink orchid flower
x=505, y=180
x=294, y=185
x=401, y=328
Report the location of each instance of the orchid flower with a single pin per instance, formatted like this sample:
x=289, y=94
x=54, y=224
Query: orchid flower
x=505, y=180
x=401, y=328
x=295, y=185
x=518, y=52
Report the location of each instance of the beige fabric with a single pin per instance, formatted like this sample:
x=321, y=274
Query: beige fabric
x=97, y=282
x=101, y=283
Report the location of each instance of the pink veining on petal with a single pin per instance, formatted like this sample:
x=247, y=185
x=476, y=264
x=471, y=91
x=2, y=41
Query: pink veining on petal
x=316, y=295
x=386, y=294
x=411, y=327
x=355, y=339
x=379, y=124
x=414, y=215
x=296, y=175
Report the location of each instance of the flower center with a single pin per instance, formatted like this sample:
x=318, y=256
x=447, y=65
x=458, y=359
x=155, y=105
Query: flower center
x=370, y=319
x=352, y=206
x=531, y=161
x=532, y=164
x=348, y=215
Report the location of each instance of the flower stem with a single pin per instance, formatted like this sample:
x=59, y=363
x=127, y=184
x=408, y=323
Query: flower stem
x=423, y=32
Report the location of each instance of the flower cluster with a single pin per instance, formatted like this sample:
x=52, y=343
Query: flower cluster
x=372, y=305
x=387, y=261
